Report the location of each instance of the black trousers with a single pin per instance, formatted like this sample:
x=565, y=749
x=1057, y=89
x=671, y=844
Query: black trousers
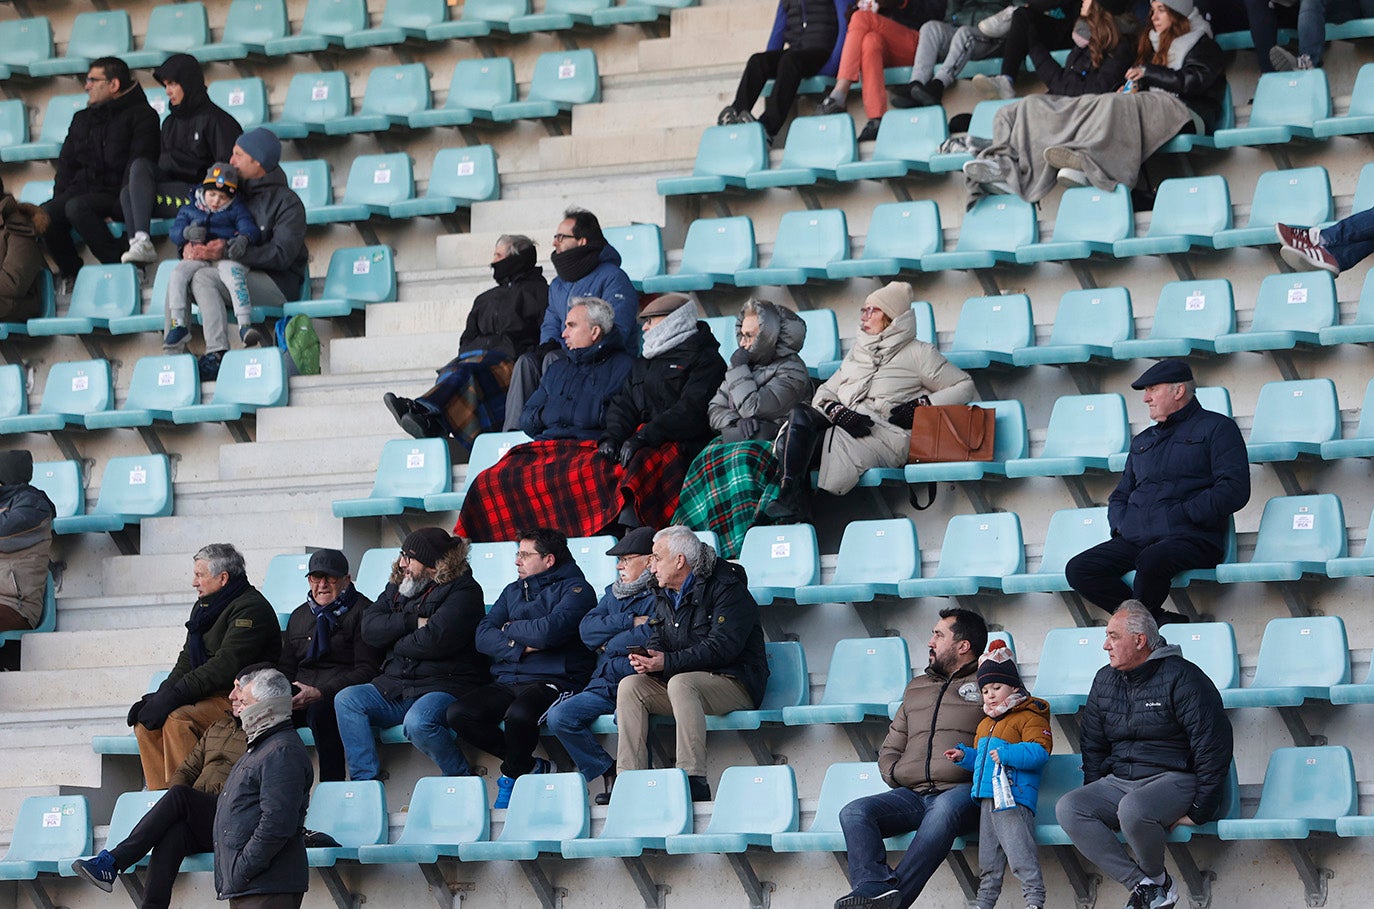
x=477, y=718
x=148, y=193
x=180, y=824
x=1027, y=27
x=324, y=726
x=786, y=68
x=1096, y=572
x=85, y=213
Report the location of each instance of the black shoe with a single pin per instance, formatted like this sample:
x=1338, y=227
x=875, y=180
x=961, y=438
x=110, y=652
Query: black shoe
x=903, y=98
x=928, y=94
x=885, y=900
x=422, y=426
x=870, y=131
x=1165, y=617
x=252, y=337
x=209, y=366
x=398, y=406
x=700, y=789
x=608, y=781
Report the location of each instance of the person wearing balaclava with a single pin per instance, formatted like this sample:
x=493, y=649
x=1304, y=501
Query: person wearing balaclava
x=196, y=133
x=26, y=516
x=469, y=396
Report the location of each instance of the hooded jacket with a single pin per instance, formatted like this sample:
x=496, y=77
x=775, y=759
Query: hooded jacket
x=207, y=766
x=21, y=259
x=937, y=712
x=225, y=224
x=349, y=660
x=542, y=611
x=607, y=281
x=609, y=631
x=811, y=25
x=664, y=399
x=280, y=216
x=506, y=318
x=246, y=632
x=101, y=142
x=26, y=517
x=197, y=132
x=770, y=384
x=1078, y=76
x=1023, y=742
x=575, y=392
x=1196, y=72
x=440, y=655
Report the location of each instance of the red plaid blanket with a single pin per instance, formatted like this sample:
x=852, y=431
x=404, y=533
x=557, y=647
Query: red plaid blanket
x=567, y=486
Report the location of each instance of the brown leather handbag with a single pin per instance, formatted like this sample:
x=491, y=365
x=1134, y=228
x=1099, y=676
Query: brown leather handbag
x=951, y=432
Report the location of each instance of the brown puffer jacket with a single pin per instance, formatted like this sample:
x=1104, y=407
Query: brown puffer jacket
x=21, y=259
x=207, y=766
x=937, y=713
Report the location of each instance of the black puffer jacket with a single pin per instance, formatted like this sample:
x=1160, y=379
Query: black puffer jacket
x=197, y=132
x=507, y=317
x=101, y=142
x=280, y=216
x=1162, y=715
x=1200, y=82
x=665, y=398
x=909, y=13
x=1078, y=76
x=805, y=24
x=349, y=660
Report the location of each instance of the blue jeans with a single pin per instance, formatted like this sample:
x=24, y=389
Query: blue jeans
x=937, y=818
x=360, y=707
x=571, y=720
x=1350, y=239
x=1312, y=18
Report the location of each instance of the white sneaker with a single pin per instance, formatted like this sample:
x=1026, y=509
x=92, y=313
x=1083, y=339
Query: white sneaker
x=1071, y=177
x=141, y=251
x=984, y=170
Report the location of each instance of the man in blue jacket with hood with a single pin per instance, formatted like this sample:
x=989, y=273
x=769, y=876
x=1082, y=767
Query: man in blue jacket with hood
x=536, y=656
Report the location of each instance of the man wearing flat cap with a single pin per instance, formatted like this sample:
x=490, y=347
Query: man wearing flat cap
x=1184, y=477
x=323, y=652
x=425, y=621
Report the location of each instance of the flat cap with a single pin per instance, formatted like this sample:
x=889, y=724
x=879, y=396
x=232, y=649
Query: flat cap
x=1165, y=371
x=664, y=305
x=639, y=541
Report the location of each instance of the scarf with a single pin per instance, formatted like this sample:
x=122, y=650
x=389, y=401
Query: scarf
x=676, y=327
x=1016, y=700
x=1179, y=48
x=262, y=716
x=204, y=615
x=327, y=620
x=514, y=264
x=623, y=591
x=576, y=263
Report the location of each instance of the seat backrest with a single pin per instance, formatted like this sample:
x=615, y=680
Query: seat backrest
x=1298, y=196
x=157, y=100
x=490, y=447
x=1305, y=528
x=1087, y=426
x=1364, y=186
x=61, y=482
x=102, y=33
x=413, y=468
x=1310, y=650
x=719, y=245
x=374, y=571
x=1303, y=301
x=447, y=810
x=1215, y=398
x=723, y=330
x=366, y=273
x=243, y=99
x=1071, y=531
x=981, y=121
x=1211, y=646
x=494, y=10
x=354, y=813
x=1315, y=782
x=1191, y=205
x=177, y=27
x=809, y=238
x=379, y=180
x=755, y=800
x=25, y=41
x=334, y=18
x=843, y=783
x=253, y=377
x=789, y=685
x=998, y=223
x=1364, y=430
x=640, y=247
x=911, y=135
x=36, y=192
x=483, y=83
x=1088, y=213
x=1060, y=775
x=566, y=78
x=468, y=174
x=157, y=301
x=1001, y=323
x=654, y=803
x=884, y=551
x=14, y=123
x=493, y=566
x=1069, y=659
x=1200, y=310
x=1304, y=410
x=311, y=182
x=164, y=382
x=547, y=808
x=284, y=584
x=139, y=485
x=982, y=545
x=51, y=827
x=255, y=21
x=105, y=292
x=128, y=810
x=825, y=142
x=317, y=97
x=1101, y=315
x=731, y=151
x=78, y=387
x=396, y=90
x=590, y=555
x=905, y=230
x=1296, y=98
x=867, y=671
x=57, y=117
x=14, y=393
x=822, y=343
x=784, y=555
x=415, y=14
x=1011, y=439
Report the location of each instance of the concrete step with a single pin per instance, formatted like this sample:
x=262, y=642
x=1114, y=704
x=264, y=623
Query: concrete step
x=47, y=765
x=321, y=422
x=361, y=355
x=631, y=115
x=676, y=144
x=721, y=19
x=610, y=198
x=688, y=51
x=428, y=313
x=149, y=611
x=82, y=689
x=292, y=526
x=102, y=649
x=304, y=460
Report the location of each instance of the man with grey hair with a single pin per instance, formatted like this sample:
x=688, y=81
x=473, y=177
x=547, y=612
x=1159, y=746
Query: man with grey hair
x=1185, y=476
x=1157, y=751
x=260, y=860
x=575, y=391
x=231, y=626
x=705, y=655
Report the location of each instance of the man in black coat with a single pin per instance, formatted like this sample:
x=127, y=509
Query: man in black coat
x=1157, y=750
x=705, y=655
x=1185, y=476
x=117, y=126
x=323, y=652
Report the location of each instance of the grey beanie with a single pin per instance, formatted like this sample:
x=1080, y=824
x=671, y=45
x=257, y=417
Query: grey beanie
x=1183, y=7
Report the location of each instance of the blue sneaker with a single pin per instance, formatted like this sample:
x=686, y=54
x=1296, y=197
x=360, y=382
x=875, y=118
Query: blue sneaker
x=176, y=337
x=100, y=870
x=542, y=766
x=504, y=785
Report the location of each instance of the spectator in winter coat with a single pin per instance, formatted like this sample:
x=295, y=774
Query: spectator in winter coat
x=573, y=396
x=1104, y=44
x=970, y=30
x=197, y=133
x=26, y=516
x=21, y=259
x=1047, y=23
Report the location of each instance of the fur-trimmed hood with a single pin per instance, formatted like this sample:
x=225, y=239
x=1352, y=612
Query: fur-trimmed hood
x=453, y=565
x=22, y=218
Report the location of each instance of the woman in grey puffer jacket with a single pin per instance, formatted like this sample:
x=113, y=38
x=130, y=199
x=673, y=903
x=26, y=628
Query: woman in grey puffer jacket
x=765, y=378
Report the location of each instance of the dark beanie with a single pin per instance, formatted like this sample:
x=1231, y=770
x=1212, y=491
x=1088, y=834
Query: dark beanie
x=16, y=466
x=427, y=545
x=998, y=665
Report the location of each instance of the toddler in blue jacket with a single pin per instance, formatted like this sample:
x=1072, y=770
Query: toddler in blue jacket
x=1015, y=737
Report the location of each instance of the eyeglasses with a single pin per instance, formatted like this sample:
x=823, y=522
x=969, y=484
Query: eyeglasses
x=91, y=80
x=868, y=311
x=408, y=556
x=627, y=559
x=559, y=238
x=522, y=555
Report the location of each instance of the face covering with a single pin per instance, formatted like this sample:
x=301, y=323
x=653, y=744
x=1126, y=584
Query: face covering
x=258, y=718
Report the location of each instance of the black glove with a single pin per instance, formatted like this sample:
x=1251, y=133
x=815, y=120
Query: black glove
x=547, y=348
x=740, y=357
x=747, y=427
x=856, y=424
x=135, y=710
x=904, y=413
x=160, y=703
x=628, y=451
x=193, y=233
x=608, y=449
x=236, y=247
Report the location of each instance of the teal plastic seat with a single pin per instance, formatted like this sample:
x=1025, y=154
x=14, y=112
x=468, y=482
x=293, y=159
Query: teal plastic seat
x=725, y=156
x=1299, y=659
x=14, y=394
x=1069, y=660
x=1361, y=444
x=1287, y=106
x=723, y=330
x=312, y=100
x=249, y=378
x=160, y=385
x=57, y=118
x=1084, y=431
x=874, y=556
x=487, y=449
x=354, y=813
x=128, y=810
x=311, y=182
x=545, y=810
x=458, y=178
x=1189, y=317
x=493, y=567
x=172, y=29
x=1298, y=196
x=131, y=488
x=243, y=99
x=1088, y=221
x=14, y=123
x=632, y=12
x=752, y=804
x=1186, y=142
x=865, y=676
x=357, y=276
x=1359, y=119
x=1360, y=566
x=1071, y=531
x=843, y=783
x=993, y=230
x=1060, y=775
x=1184, y=579
x=153, y=316
x=562, y=80
x=779, y=559
x=652, y=806
x=74, y=389
x=1297, y=536
x=478, y=19
x=816, y=147
x=1086, y=325
x=1293, y=419
x=284, y=584
x=445, y=812
x=821, y=349
x=899, y=235
x=477, y=88
x=392, y=94
x=590, y=555
x=1010, y=441
x=979, y=550
x=101, y=293
x=908, y=140
x=788, y=686
x=373, y=571
x=61, y=482
x=47, y=617
x=1211, y=646
x=557, y=16
x=248, y=27
x=1306, y=790
x=408, y=470
x=401, y=19
x=1188, y=212
x=102, y=33
x=326, y=23
x=36, y=192
x=990, y=329
x=807, y=242
x=24, y=42
x=714, y=251
x=980, y=127
x=49, y=828
x=375, y=183
x=1361, y=330
x=641, y=250
x=1290, y=310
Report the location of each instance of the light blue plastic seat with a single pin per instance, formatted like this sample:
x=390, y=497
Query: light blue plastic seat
x=375, y=183
x=632, y=12
x=35, y=192
x=153, y=316
x=653, y=805
x=373, y=571
x=73, y=390
x=1211, y=646
x=1069, y=660
x=979, y=550
x=899, y=235
x=128, y=810
x=311, y=182
x=874, y=556
x=993, y=230
x=865, y=676
x=354, y=813
x=131, y=488
x=479, y=18
x=779, y=559
x=788, y=686
x=1287, y=106
x=493, y=567
x=557, y=16
x=458, y=178
x=101, y=293
x=1290, y=310
x=1186, y=142
x=1305, y=790
x=445, y=812
x=1060, y=775
x=821, y=349
x=1293, y=419
x=816, y=147
x=1086, y=325
x=312, y=100
x=725, y=156
x=57, y=118
x=172, y=29
x=249, y=378
x=284, y=584
x=1297, y=536
x=590, y=555
x=907, y=141
x=545, y=810
x=1361, y=444
x=641, y=250
x=1361, y=330
x=243, y=99
x=14, y=394
x=128, y=744
x=408, y=470
x=1084, y=431
x=47, y=617
x=102, y=33
x=326, y=23
x=357, y=276
x=723, y=330
x=1188, y=212
x=980, y=127
x=1088, y=221
x=61, y=482
x=752, y=804
x=49, y=828
x=477, y=88
x=401, y=19
x=989, y=329
x=1189, y=317
x=1360, y=566
x=487, y=449
x=14, y=123
x=248, y=27
x=1071, y=531
x=807, y=242
x=843, y=783
x=24, y=42
x=160, y=385
x=562, y=80
x=1298, y=196
x=1299, y=659
x=1010, y=442
x=1359, y=119
x=714, y=251
x=392, y=94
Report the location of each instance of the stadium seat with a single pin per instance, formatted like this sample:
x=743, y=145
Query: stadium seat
x=993, y=230
x=562, y=80
x=445, y=812
x=477, y=88
x=74, y=389
x=1298, y=196
x=353, y=813
x=357, y=276
x=61, y=482
x=312, y=100
x=714, y=251
x=1071, y=530
x=128, y=810
x=160, y=385
x=408, y=470
x=375, y=183
x=1069, y=660
x=243, y=99
x=1086, y=325
x=821, y=349
x=479, y=18
x=647, y=806
x=1361, y=330
x=590, y=555
x=779, y=559
x=1188, y=212
x=311, y=182
x=154, y=314
x=487, y=449
x=249, y=378
x=57, y=117
x=1088, y=221
x=458, y=178
x=131, y=488
x=24, y=42
x=284, y=584
x=401, y=19
x=102, y=33
x=752, y=804
x=1361, y=444
x=725, y=156
x=1290, y=310
x=47, y=618
x=1293, y=419
x=1361, y=566
x=100, y=293
x=1186, y=142
x=14, y=123
x=816, y=146
x=979, y=550
x=1359, y=119
x=807, y=242
x=557, y=16
x=1287, y=106
x=1010, y=442
x=632, y=12
x=641, y=250
x=172, y=29
x=493, y=567
x=843, y=783
x=899, y=235
x=392, y=94
x=989, y=329
x=14, y=394
x=248, y=27
x=1211, y=646
x=545, y=809
x=979, y=127
x=326, y=23
x=788, y=686
x=1188, y=317
x=1299, y=659
x=1084, y=431
x=1297, y=536
x=48, y=829
x=373, y=571
x=874, y=556
x=36, y=192
x=907, y=141
x=865, y=676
